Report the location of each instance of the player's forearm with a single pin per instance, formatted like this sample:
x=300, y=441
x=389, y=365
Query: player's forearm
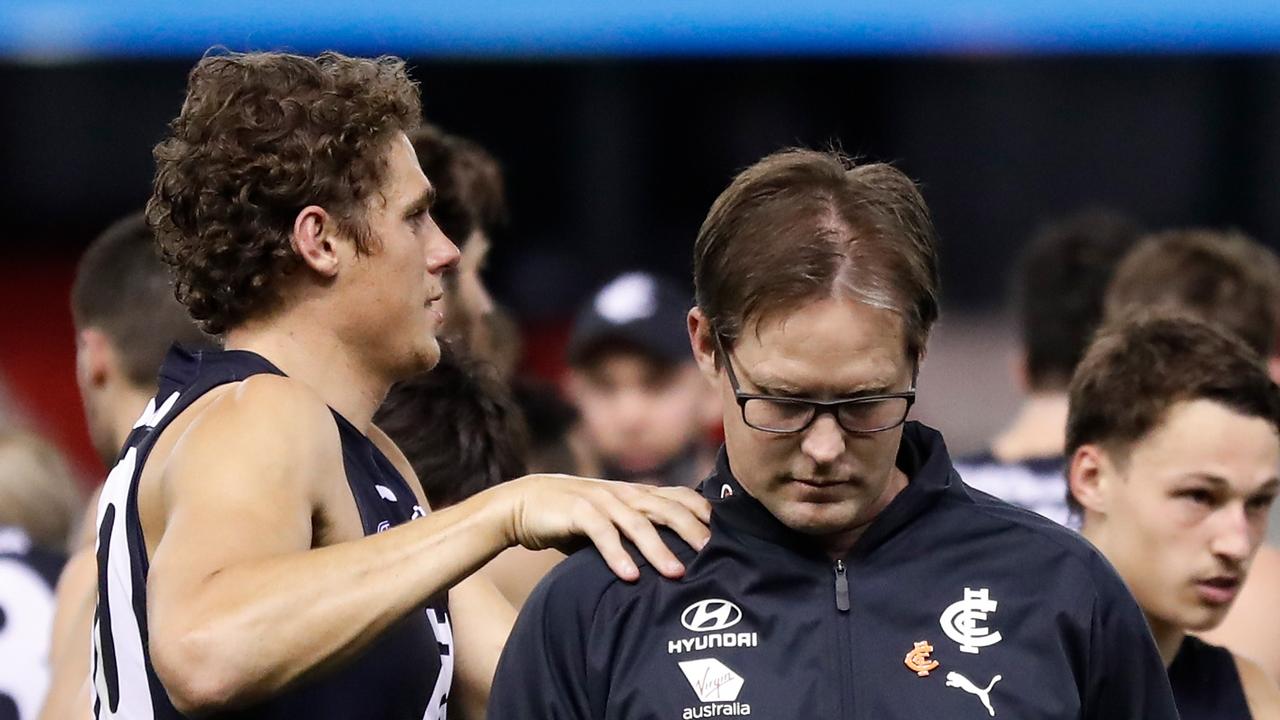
x=253, y=629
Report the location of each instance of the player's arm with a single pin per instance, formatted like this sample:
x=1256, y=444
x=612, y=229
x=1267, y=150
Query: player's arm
x=69, y=695
x=1126, y=678
x=482, y=620
x=1260, y=689
x=234, y=567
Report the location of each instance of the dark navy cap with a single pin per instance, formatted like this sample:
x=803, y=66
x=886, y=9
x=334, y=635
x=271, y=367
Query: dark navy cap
x=636, y=309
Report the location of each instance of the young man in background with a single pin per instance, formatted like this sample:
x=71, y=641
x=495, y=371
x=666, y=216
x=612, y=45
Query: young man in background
x=645, y=409
x=1174, y=438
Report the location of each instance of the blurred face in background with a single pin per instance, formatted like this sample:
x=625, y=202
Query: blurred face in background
x=639, y=413
x=468, y=305
x=1182, y=512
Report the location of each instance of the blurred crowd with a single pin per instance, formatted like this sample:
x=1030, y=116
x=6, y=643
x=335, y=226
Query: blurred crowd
x=633, y=406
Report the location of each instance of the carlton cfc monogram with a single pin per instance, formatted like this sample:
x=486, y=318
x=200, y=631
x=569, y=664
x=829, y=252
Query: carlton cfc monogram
x=961, y=621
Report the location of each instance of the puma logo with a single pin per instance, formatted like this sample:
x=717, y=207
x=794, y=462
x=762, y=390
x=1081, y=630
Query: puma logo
x=956, y=680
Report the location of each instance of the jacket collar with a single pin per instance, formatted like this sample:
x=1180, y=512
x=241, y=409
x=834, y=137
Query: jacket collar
x=922, y=457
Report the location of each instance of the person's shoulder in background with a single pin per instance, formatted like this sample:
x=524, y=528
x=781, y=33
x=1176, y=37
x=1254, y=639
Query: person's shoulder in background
x=1252, y=627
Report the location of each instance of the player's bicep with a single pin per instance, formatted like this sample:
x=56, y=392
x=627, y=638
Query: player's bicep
x=238, y=486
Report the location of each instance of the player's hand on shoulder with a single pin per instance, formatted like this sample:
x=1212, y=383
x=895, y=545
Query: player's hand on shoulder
x=557, y=511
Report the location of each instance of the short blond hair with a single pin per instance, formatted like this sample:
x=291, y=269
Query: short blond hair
x=38, y=491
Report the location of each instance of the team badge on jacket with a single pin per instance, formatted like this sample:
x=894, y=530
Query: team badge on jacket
x=918, y=660
x=964, y=621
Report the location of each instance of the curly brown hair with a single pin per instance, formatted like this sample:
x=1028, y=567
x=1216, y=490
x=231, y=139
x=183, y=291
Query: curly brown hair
x=261, y=136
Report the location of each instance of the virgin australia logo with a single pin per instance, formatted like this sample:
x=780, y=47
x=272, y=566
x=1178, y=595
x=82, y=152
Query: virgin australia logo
x=962, y=619
x=709, y=615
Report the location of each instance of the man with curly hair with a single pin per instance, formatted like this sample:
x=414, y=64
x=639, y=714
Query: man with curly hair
x=262, y=546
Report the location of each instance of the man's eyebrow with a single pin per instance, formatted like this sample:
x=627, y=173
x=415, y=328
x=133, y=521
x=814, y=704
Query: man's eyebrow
x=423, y=202
x=1216, y=480
x=786, y=390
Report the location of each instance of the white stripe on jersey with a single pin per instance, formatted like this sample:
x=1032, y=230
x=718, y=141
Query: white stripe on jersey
x=1017, y=484
x=27, y=604
x=134, y=689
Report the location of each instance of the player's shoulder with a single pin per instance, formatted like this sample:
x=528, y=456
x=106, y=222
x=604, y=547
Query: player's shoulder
x=583, y=579
x=261, y=418
x=1260, y=689
x=273, y=404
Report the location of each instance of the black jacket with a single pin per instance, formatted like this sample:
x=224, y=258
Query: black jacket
x=1024, y=619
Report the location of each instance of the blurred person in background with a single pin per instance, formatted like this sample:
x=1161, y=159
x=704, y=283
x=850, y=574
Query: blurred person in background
x=1059, y=284
x=40, y=503
x=646, y=410
x=126, y=317
x=265, y=547
x=463, y=433
x=470, y=207
x=1228, y=279
x=1174, y=440
x=556, y=442
x=459, y=427
x=849, y=572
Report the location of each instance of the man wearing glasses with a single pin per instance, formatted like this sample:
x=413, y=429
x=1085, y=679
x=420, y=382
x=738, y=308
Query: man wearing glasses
x=850, y=573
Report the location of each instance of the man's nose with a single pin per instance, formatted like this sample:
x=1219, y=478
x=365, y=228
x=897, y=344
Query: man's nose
x=824, y=441
x=1233, y=538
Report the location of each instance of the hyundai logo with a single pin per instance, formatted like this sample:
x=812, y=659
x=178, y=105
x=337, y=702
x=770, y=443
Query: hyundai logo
x=710, y=614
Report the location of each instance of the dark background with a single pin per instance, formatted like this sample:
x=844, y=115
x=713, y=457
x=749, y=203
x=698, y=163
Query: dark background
x=612, y=164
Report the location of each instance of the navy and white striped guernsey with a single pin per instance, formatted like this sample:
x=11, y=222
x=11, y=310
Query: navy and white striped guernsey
x=405, y=673
x=28, y=574
x=1037, y=484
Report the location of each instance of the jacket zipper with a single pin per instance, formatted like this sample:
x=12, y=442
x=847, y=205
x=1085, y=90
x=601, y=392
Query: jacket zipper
x=842, y=640
x=842, y=587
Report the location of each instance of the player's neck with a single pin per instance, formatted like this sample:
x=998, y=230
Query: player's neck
x=1038, y=431
x=127, y=404
x=312, y=354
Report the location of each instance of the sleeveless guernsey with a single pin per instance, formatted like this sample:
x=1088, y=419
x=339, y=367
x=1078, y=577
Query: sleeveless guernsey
x=405, y=673
x=1206, y=683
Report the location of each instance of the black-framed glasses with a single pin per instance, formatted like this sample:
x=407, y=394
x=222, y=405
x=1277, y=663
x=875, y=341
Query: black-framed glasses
x=861, y=415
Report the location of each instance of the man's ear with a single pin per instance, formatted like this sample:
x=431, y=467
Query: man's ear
x=314, y=240
x=1090, y=477
x=96, y=359
x=704, y=347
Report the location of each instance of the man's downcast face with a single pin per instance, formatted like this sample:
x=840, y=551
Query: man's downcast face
x=1187, y=509
x=823, y=480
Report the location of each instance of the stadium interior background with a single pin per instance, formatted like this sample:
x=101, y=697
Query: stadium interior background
x=613, y=155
